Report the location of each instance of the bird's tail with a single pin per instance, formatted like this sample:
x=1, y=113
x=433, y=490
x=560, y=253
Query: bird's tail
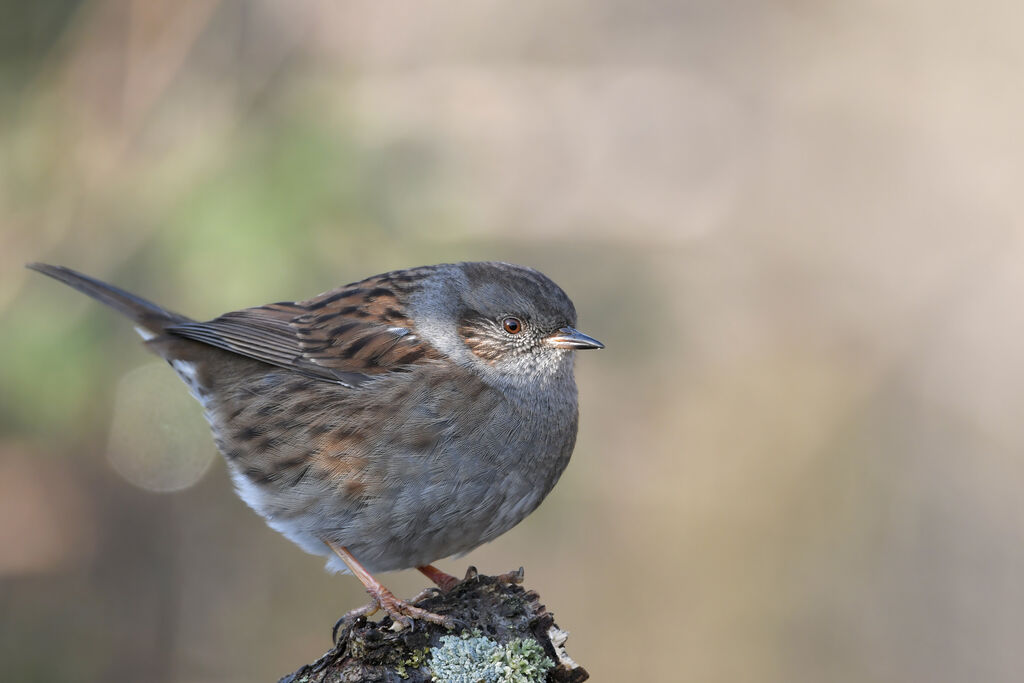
x=146, y=315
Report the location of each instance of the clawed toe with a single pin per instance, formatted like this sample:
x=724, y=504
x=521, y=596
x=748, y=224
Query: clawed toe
x=431, y=592
x=446, y=582
x=351, y=617
x=508, y=577
x=515, y=577
x=403, y=612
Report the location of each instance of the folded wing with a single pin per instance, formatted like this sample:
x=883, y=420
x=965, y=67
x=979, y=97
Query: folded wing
x=349, y=335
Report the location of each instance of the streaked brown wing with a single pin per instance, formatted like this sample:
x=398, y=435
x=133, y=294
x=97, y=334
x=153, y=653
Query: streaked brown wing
x=347, y=335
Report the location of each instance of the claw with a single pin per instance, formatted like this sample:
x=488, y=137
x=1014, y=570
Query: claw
x=403, y=612
x=515, y=577
x=426, y=593
x=459, y=625
x=351, y=619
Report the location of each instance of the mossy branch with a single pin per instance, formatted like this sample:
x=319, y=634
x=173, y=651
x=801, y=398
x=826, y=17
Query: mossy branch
x=505, y=636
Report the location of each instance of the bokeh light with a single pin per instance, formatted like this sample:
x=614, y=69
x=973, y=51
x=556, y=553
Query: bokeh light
x=154, y=442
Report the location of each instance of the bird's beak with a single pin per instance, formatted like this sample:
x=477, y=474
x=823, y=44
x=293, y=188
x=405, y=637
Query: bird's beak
x=570, y=338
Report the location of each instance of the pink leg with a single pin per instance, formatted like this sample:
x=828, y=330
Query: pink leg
x=381, y=598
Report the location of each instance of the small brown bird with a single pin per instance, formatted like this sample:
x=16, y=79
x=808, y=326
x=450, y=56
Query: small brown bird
x=394, y=421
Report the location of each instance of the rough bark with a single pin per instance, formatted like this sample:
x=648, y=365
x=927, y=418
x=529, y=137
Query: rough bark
x=482, y=606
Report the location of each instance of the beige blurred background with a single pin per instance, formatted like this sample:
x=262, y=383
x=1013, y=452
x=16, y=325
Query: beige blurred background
x=796, y=225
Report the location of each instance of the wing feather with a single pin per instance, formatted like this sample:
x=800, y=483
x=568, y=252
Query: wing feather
x=348, y=335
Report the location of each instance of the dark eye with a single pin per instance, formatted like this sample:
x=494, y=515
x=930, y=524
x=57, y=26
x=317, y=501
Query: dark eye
x=512, y=325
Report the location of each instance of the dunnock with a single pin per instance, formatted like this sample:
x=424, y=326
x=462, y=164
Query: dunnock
x=394, y=421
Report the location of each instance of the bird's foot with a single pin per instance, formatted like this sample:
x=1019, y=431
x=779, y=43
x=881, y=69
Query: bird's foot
x=513, y=577
x=403, y=612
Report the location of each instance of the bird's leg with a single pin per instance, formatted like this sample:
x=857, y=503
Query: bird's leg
x=400, y=611
x=443, y=580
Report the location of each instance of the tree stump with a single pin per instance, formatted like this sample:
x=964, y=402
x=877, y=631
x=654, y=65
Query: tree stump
x=505, y=635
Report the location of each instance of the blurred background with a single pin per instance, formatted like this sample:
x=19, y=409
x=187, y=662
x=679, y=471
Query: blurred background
x=796, y=225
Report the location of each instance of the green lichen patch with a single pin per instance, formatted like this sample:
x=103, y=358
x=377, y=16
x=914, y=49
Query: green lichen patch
x=473, y=658
x=414, y=661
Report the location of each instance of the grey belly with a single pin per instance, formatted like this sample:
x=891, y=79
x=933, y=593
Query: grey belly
x=409, y=526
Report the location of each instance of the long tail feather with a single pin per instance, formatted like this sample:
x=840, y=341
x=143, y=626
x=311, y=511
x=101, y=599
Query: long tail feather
x=145, y=313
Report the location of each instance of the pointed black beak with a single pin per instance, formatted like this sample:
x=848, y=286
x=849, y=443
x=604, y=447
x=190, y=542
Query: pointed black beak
x=570, y=338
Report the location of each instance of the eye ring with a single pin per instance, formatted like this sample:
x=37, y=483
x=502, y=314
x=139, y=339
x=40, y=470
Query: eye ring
x=512, y=325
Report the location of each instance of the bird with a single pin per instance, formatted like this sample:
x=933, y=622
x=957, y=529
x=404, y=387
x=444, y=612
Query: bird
x=388, y=423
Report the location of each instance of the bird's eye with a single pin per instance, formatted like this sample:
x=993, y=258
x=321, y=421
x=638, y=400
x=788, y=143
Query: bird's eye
x=512, y=325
